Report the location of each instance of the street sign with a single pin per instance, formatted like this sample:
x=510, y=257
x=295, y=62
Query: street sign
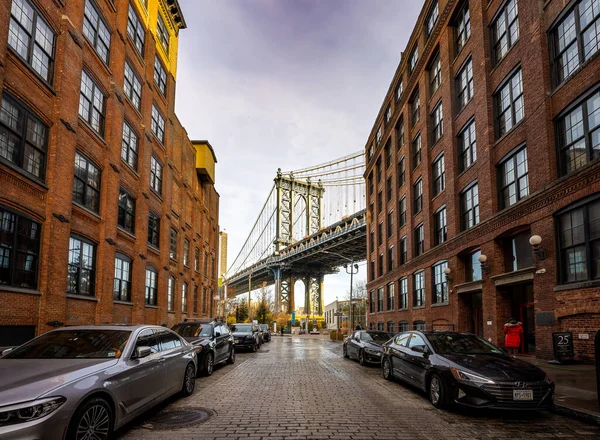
x=293, y=317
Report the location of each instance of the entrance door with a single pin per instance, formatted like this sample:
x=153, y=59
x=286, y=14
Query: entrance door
x=477, y=314
x=528, y=320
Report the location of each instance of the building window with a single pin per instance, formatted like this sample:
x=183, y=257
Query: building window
x=469, y=207
x=513, y=176
x=92, y=103
x=379, y=170
x=400, y=133
x=579, y=243
x=417, y=197
x=158, y=124
x=86, y=183
x=122, y=285
x=380, y=233
x=19, y=250
x=517, y=252
x=195, y=305
x=371, y=148
x=173, y=244
x=390, y=258
x=390, y=327
x=402, y=212
x=126, y=211
x=379, y=202
x=439, y=175
x=399, y=89
x=390, y=296
x=135, y=30
x=184, y=292
x=162, y=33
x=150, y=296
x=388, y=114
x=372, y=240
x=419, y=289
x=440, y=227
x=437, y=123
x=186, y=252
x=155, y=175
x=170, y=295
x=390, y=224
x=154, y=229
x=464, y=84
x=435, y=74
x=509, y=104
x=197, y=260
x=378, y=135
x=372, y=270
x=415, y=107
x=578, y=133
x=416, y=151
x=380, y=299
x=403, y=250
x=401, y=172
x=463, y=27
x=82, y=265
x=467, y=147
x=419, y=240
x=129, y=146
x=388, y=153
x=473, y=267
x=23, y=138
x=380, y=326
x=432, y=18
x=160, y=76
x=380, y=264
x=420, y=326
x=440, y=287
x=389, y=189
x=403, y=294
x=132, y=86
x=403, y=326
x=371, y=184
x=31, y=37
x=414, y=57
x=505, y=29
x=205, y=265
x=96, y=30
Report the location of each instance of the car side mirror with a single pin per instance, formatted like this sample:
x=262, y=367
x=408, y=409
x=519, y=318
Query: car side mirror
x=142, y=352
x=420, y=349
x=8, y=350
x=217, y=334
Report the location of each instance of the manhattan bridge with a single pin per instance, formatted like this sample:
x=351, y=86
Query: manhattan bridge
x=312, y=222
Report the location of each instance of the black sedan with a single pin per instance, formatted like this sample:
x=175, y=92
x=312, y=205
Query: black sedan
x=245, y=336
x=266, y=332
x=365, y=345
x=465, y=369
x=213, y=342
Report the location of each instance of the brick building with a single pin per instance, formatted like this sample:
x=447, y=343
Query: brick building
x=108, y=211
x=488, y=136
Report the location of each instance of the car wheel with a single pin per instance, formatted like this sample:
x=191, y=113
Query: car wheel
x=361, y=357
x=209, y=365
x=437, y=391
x=231, y=358
x=189, y=381
x=93, y=419
x=345, y=350
x=255, y=347
x=386, y=369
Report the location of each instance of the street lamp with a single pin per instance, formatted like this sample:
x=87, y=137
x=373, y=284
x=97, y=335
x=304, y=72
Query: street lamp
x=351, y=273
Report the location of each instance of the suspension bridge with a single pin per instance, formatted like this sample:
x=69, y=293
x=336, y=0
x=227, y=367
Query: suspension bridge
x=312, y=222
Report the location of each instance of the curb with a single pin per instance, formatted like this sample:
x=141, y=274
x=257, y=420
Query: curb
x=579, y=414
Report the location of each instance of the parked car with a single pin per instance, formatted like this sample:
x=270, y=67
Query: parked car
x=365, y=345
x=266, y=332
x=90, y=379
x=465, y=369
x=261, y=336
x=213, y=342
x=245, y=336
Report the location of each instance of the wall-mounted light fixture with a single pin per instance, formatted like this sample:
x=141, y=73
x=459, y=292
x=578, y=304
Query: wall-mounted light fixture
x=484, y=266
x=447, y=272
x=538, y=251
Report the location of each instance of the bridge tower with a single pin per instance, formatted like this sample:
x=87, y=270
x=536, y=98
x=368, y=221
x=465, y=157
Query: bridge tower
x=289, y=190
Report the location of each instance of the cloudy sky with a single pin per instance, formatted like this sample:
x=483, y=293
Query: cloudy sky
x=284, y=84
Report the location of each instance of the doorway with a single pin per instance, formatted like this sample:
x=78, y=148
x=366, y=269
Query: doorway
x=522, y=308
x=477, y=314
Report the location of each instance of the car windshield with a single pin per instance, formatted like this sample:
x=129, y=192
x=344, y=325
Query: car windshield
x=241, y=328
x=445, y=343
x=74, y=344
x=375, y=336
x=190, y=330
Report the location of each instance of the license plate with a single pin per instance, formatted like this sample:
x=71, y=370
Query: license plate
x=522, y=394
x=236, y=341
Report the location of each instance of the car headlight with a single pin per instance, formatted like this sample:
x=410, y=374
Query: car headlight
x=470, y=377
x=371, y=351
x=199, y=348
x=27, y=411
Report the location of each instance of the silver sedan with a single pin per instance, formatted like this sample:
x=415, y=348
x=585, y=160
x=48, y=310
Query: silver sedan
x=85, y=382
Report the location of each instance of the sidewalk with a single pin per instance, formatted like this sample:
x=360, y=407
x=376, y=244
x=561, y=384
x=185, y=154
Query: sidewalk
x=576, y=394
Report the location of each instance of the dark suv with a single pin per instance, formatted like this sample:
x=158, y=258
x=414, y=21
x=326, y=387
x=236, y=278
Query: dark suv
x=246, y=336
x=212, y=339
x=266, y=332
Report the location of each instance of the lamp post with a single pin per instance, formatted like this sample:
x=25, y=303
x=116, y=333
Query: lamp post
x=351, y=273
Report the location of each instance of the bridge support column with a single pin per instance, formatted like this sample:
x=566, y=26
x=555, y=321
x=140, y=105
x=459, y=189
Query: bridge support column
x=313, y=295
x=287, y=294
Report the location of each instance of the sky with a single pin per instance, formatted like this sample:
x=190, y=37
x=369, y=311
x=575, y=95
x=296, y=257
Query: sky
x=284, y=84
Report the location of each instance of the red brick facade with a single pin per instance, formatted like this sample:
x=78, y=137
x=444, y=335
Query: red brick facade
x=186, y=203
x=483, y=306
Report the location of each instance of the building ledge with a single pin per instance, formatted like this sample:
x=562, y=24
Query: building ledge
x=82, y=297
x=24, y=290
x=577, y=286
x=125, y=303
x=516, y=277
x=471, y=286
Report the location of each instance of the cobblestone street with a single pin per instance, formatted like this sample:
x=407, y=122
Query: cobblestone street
x=302, y=388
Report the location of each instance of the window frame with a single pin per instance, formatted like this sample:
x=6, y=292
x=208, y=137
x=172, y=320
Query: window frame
x=432, y=18
x=390, y=258
x=403, y=252
x=435, y=73
x=154, y=229
x=467, y=155
x=85, y=182
x=402, y=212
x=401, y=172
x=439, y=280
x=403, y=293
x=149, y=299
x=498, y=112
x=415, y=107
x=129, y=152
x=464, y=211
x=173, y=244
x=417, y=149
x=419, y=240
x=413, y=59
x=120, y=280
x=419, y=289
x=390, y=224
x=438, y=172
x=469, y=84
x=130, y=80
x=186, y=252
x=440, y=228
x=124, y=212
x=92, y=271
x=171, y=294
x=161, y=83
x=391, y=296
x=463, y=12
x=135, y=27
x=156, y=173
x=511, y=157
x=184, y=294
x=494, y=38
x=381, y=299
x=90, y=102
x=95, y=40
x=158, y=126
x=437, y=123
x=162, y=32
x=418, y=196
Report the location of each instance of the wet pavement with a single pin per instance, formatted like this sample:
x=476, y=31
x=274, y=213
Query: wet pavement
x=300, y=387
